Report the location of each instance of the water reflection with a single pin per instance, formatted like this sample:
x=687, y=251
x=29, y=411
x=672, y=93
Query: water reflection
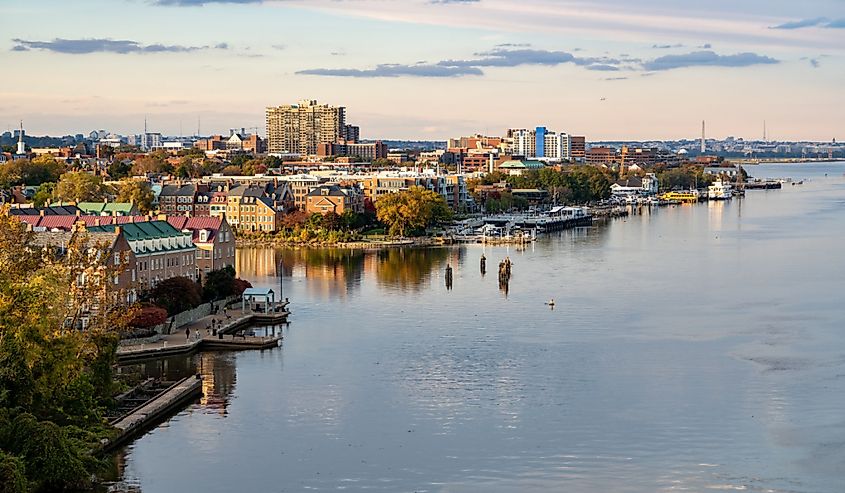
x=408, y=269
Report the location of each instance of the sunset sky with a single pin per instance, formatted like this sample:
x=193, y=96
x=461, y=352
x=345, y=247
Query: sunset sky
x=429, y=69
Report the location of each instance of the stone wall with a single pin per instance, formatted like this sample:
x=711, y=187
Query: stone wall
x=197, y=313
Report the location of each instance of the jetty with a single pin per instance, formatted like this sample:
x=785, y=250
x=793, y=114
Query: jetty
x=152, y=410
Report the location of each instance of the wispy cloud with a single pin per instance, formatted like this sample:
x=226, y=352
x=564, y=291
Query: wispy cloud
x=814, y=22
x=666, y=47
x=494, y=58
x=199, y=3
x=707, y=59
x=396, y=70
x=103, y=45
x=506, y=58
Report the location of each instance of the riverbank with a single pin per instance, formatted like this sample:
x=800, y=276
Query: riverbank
x=360, y=244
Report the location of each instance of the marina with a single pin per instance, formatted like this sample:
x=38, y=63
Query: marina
x=606, y=392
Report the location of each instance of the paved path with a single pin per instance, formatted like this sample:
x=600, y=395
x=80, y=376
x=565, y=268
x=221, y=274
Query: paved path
x=201, y=327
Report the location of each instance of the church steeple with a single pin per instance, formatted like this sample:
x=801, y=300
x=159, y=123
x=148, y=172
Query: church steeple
x=21, y=145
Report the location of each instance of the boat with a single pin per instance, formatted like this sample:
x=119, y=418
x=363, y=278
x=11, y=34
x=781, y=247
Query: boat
x=682, y=196
x=719, y=190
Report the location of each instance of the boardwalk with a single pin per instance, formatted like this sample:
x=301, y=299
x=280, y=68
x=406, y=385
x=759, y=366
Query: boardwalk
x=201, y=335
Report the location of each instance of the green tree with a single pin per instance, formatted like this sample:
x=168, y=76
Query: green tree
x=43, y=194
x=411, y=210
x=40, y=170
x=55, y=380
x=119, y=168
x=176, y=295
x=78, y=186
x=138, y=192
x=151, y=164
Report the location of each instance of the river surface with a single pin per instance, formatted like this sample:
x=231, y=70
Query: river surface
x=691, y=348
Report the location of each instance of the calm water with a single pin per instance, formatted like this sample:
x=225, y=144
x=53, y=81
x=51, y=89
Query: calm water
x=691, y=348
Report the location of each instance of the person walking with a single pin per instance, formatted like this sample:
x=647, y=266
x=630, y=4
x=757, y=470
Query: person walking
x=187, y=334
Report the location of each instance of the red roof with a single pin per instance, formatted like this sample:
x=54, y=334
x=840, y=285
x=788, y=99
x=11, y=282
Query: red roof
x=65, y=223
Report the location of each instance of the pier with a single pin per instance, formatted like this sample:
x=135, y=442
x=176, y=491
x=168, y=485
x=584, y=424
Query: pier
x=159, y=407
x=214, y=332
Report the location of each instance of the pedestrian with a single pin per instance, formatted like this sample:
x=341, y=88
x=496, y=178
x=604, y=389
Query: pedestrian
x=187, y=334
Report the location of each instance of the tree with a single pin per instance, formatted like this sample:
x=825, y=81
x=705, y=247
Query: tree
x=79, y=186
x=40, y=170
x=43, y=194
x=55, y=380
x=138, y=192
x=176, y=295
x=232, y=170
x=411, y=210
x=119, y=168
x=151, y=164
x=218, y=284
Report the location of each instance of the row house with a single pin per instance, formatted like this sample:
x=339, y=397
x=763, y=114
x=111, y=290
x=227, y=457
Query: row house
x=161, y=251
x=451, y=187
x=212, y=236
x=251, y=208
x=334, y=198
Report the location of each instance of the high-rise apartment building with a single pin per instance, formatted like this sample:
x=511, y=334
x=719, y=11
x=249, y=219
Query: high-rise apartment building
x=540, y=143
x=300, y=128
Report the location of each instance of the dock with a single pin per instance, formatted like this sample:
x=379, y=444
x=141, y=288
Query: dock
x=224, y=337
x=153, y=410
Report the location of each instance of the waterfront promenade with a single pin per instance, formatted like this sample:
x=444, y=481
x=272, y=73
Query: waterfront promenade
x=210, y=332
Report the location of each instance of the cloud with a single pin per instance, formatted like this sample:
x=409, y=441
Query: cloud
x=396, y=70
x=707, y=59
x=199, y=3
x=102, y=45
x=616, y=78
x=501, y=58
x=452, y=1
x=705, y=46
x=815, y=22
x=814, y=63
x=666, y=47
x=513, y=58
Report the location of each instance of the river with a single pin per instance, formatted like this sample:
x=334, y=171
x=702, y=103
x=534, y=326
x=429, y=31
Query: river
x=696, y=347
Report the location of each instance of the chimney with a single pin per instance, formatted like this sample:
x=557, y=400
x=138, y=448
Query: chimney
x=41, y=212
x=96, y=221
x=118, y=230
x=162, y=217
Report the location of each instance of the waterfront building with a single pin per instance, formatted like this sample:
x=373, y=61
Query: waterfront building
x=213, y=238
x=161, y=251
x=334, y=198
x=300, y=185
x=300, y=128
x=451, y=187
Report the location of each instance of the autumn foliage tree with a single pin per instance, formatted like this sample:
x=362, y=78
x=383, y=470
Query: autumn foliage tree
x=79, y=186
x=411, y=210
x=138, y=192
x=55, y=379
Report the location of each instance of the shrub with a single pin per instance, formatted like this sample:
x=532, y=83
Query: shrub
x=149, y=316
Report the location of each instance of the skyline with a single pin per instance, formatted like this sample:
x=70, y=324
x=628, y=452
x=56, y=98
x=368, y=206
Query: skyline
x=430, y=70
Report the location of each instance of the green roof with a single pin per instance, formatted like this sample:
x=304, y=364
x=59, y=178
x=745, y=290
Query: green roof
x=109, y=207
x=145, y=230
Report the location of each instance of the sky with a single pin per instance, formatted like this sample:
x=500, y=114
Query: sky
x=429, y=69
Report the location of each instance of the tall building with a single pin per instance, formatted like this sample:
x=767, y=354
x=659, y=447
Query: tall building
x=300, y=128
x=541, y=143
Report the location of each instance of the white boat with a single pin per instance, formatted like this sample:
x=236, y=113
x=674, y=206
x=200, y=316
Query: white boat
x=719, y=190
